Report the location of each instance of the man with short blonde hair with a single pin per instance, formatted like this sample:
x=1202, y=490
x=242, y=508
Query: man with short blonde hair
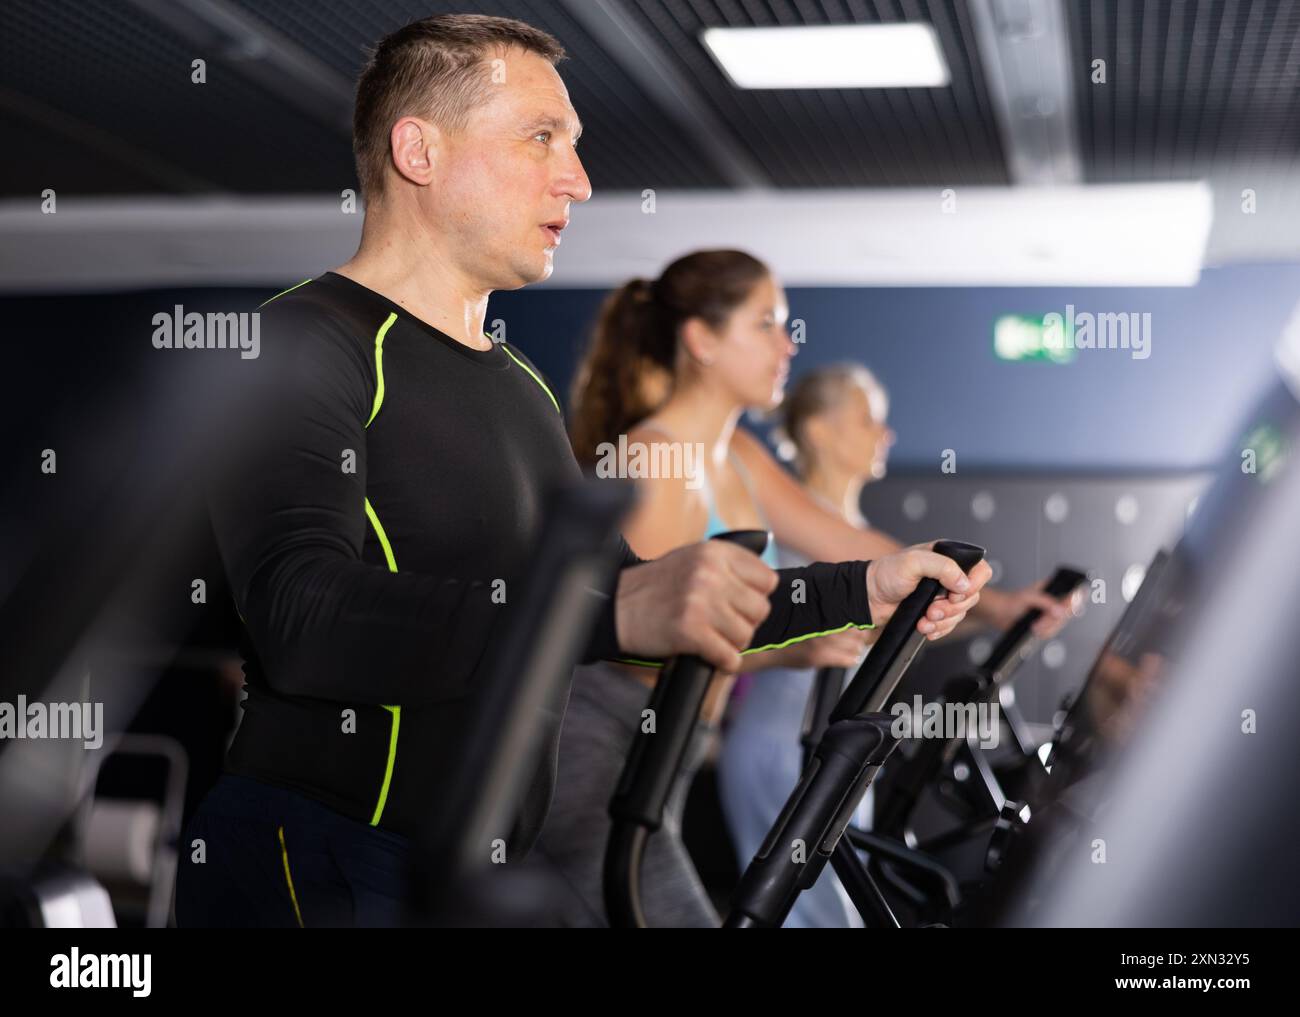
x=397, y=477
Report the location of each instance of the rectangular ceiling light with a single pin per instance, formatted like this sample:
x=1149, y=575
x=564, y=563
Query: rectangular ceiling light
x=830, y=56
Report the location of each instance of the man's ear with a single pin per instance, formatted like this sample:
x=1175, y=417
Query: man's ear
x=413, y=145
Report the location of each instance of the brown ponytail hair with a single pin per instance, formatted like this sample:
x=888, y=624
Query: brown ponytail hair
x=629, y=367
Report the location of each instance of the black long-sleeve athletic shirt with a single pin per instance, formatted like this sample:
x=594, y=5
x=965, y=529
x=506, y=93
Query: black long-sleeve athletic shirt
x=393, y=476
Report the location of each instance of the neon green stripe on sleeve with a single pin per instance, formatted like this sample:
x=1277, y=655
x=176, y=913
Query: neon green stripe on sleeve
x=800, y=639
x=383, y=537
x=757, y=649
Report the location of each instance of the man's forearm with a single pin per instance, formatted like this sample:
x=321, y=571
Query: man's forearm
x=808, y=601
x=814, y=600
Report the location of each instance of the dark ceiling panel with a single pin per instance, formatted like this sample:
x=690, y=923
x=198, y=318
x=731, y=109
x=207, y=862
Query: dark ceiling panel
x=37, y=158
x=95, y=97
x=104, y=65
x=843, y=137
x=1191, y=87
x=628, y=143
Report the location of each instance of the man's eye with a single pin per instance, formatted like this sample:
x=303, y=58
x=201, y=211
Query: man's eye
x=544, y=135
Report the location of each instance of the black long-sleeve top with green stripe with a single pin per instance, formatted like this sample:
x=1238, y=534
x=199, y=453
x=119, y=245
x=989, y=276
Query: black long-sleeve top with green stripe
x=395, y=475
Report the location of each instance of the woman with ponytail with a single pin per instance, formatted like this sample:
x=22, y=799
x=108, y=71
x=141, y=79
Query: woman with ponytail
x=672, y=366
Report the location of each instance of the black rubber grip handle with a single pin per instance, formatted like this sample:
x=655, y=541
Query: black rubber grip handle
x=1065, y=580
x=656, y=756
x=751, y=540
x=1015, y=642
x=652, y=766
x=893, y=651
x=967, y=556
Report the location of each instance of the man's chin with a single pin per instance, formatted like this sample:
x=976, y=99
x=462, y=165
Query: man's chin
x=526, y=275
x=536, y=272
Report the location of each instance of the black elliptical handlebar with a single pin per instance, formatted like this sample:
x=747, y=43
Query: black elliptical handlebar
x=827, y=687
x=1015, y=644
x=523, y=688
x=892, y=653
x=855, y=744
x=979, y=684
x=656, y=758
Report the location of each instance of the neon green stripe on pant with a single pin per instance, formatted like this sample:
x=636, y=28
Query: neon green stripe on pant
x=396, y=711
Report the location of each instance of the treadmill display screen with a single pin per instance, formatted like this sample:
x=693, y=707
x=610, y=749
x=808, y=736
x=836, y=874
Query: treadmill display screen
x=1127, y=673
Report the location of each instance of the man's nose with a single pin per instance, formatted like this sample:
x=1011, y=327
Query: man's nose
x=574, y=181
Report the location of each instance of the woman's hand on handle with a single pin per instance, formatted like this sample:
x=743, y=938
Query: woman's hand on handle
x=891, y=579
x=1003, y=608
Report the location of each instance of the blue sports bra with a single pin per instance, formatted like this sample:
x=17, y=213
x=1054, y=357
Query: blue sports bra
x=715, y=522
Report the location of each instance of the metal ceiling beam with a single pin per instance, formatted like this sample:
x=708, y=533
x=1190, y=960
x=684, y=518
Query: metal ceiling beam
x=641, y=58
x=1119, y=235
x=1025, y=52
x=260, y=54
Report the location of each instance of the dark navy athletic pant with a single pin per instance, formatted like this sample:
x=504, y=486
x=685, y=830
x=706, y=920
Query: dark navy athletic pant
x=270, y=857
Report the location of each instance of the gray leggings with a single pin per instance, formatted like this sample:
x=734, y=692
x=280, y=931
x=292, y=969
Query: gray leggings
x=603, y=717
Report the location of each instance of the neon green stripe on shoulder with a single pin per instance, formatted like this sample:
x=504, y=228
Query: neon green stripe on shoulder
x=283, y=292
x=379, y=366
x=533, y=375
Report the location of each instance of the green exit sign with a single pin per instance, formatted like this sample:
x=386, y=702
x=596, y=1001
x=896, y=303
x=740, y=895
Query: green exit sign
x=1021, y=337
